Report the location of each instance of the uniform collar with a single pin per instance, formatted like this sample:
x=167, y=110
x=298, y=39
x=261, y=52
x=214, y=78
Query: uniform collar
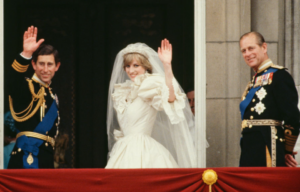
x=37, y=80
x=265, y=65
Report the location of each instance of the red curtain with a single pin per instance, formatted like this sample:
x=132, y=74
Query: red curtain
x=229, y=180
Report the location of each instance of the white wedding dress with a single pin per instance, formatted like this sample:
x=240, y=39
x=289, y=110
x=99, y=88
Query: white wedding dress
x=137, y=104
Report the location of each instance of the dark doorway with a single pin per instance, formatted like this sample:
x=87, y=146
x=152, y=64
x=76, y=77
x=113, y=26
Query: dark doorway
x=88, y=35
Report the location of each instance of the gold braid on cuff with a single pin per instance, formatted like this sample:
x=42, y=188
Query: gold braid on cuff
x=19, y=67
x=290, y=141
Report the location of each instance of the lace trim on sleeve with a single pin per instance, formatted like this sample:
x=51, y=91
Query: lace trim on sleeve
x=174, y=110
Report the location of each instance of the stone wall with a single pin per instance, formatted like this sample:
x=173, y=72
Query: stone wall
x=227, y=74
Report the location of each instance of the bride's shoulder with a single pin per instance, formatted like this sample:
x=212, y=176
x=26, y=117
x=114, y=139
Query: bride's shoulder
x=152, y=82
x=154, y=78
x=121, y=88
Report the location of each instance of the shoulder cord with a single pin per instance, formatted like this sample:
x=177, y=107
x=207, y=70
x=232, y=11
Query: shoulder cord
x=39, y=97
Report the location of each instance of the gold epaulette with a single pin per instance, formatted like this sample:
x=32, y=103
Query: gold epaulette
x=246, y=91
x=29, y=112
x=19, y=67
x=277, y=66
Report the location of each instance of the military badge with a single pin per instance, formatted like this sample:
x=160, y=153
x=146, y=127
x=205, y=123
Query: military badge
x=261, y=93
x=56, y=99
x=259, y=108
x=265, y=79
x=258, y=81
x=270, y=78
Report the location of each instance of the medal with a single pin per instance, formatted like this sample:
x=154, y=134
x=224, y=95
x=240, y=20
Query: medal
x=259, y=107
x=261, y=93
x=30, y=159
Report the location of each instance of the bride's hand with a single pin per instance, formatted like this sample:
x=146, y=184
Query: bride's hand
x=165, y=53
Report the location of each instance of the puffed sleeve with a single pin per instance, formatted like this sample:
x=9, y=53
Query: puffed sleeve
x=154, y=91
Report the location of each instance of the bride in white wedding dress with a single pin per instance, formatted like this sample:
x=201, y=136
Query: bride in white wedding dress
x=149, y=121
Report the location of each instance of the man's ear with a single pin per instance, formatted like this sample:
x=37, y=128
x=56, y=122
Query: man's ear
x=33, y=64
x=57, y=66
x=265, y=46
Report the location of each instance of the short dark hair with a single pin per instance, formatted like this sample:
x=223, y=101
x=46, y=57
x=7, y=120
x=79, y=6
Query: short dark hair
x=46, y=50
x=189, y=89
x=259, y=38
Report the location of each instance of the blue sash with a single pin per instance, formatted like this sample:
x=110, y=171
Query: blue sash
x=30, y=144
x=244, y=104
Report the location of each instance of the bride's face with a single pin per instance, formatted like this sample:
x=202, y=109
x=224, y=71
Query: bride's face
x=134, y=69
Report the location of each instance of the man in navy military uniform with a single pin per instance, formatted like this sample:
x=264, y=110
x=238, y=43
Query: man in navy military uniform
x=33, y=104
x=269, y=112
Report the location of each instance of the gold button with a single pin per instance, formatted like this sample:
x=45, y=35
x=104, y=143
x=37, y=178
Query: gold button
x=46, y=144
x=45, y=94
x=19, y=149
x=253, y=100
x=250, y=126
x=276, y=137
x=252, y=109
x=251, y=117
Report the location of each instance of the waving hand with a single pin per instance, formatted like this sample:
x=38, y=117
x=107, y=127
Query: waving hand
x=165, y=53
x=29, y=41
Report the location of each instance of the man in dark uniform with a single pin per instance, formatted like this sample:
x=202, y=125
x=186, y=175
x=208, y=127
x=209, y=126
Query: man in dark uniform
x=33, y=104
x=269, y=112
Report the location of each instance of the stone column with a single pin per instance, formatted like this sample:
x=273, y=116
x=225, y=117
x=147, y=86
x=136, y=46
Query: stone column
x=292, y=36
x=1, y=85
x=292, y=48
x=200, y=79
x=267, y=19
x=226, y=76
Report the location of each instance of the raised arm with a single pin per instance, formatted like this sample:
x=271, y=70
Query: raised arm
x=17, y=85
x=165, y=55
x=29, y=42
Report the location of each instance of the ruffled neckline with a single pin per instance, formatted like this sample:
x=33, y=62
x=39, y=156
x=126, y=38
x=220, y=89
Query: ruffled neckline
x=125, y=93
